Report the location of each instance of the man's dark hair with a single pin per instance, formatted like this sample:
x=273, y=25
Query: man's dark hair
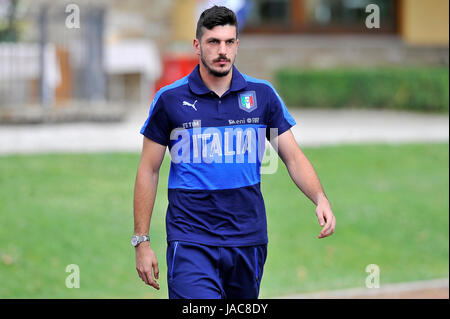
x=214, y=16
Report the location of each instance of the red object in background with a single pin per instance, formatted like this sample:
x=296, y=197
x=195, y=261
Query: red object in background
x=174, y=68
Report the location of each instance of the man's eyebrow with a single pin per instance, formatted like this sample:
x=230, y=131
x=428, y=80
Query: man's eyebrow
x=212, y=38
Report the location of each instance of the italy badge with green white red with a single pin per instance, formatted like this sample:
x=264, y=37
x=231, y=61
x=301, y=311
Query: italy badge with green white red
x=247, y=101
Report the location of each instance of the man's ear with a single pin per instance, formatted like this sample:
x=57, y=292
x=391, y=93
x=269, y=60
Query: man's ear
x=196, y=45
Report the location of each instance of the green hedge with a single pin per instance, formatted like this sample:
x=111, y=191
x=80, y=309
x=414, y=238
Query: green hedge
x=424, y=89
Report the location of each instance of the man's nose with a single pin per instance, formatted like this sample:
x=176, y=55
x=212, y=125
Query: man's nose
x=222, y=48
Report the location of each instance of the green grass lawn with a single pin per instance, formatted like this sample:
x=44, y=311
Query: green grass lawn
x=391, y=204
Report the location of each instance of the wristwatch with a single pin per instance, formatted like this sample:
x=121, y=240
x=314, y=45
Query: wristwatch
x=136, y=240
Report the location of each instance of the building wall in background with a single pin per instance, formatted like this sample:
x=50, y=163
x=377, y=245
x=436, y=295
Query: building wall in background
x=425, y=22
x=183, y=20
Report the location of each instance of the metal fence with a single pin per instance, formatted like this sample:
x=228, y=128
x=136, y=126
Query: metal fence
x=59, y=64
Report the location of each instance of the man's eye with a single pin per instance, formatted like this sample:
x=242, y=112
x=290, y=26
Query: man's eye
x=230, y=41
x=212, y=41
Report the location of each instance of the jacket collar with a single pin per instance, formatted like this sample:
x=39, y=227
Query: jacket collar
x=197, y=85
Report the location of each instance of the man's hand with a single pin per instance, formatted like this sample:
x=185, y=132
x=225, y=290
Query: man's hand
x=326, y=218
x=147, y=264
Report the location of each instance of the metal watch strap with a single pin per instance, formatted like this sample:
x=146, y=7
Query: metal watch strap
x=143, y=238
x=139, y=239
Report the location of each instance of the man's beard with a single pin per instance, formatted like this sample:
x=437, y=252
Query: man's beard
x=212, y=71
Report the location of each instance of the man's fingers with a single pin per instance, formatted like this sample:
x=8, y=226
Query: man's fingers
x=142, y=276
x=147, y=277
x=156, y=270
x=320, y=217
x=325, y=229
x=150, y=281
x=329, y=228
x=147, y=266
x=334, y=226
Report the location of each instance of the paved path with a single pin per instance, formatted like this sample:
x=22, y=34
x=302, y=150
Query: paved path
x=314, y=128
x=434, y=289
x=321, y=127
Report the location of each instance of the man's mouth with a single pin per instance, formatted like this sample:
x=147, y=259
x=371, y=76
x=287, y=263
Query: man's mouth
x=222, y=61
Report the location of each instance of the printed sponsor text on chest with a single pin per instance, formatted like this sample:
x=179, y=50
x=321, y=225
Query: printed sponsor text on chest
x=248, y=120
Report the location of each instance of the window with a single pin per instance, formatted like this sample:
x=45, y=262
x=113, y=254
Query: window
x=270, y=12
x=324, y=16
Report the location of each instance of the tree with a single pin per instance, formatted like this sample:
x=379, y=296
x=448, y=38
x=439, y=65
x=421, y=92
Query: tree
x=8, y=22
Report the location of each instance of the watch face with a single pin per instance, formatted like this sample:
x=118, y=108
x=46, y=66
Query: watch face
x=134, y=241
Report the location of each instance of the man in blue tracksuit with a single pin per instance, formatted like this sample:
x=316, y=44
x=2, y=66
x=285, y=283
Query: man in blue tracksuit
x=215, y=122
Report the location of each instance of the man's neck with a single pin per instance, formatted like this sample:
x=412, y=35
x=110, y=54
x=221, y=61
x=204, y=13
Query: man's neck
x=217, y=84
